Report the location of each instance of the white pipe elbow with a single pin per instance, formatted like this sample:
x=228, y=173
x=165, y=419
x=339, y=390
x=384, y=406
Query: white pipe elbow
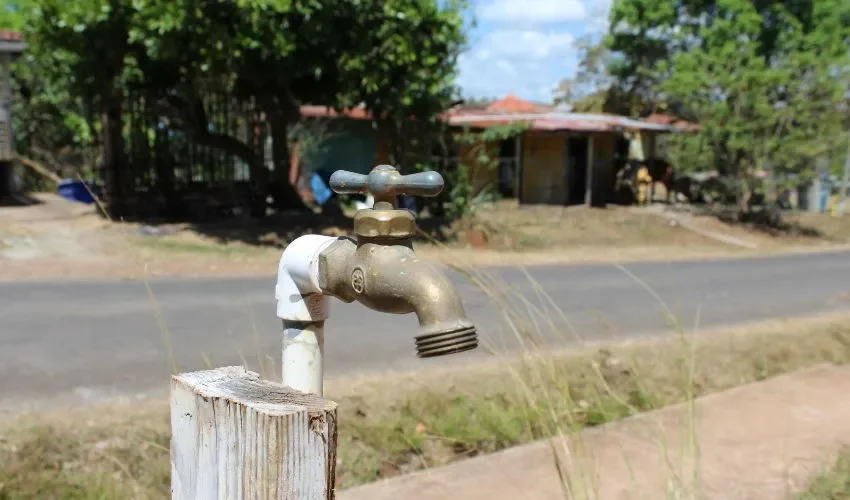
x=298, y=294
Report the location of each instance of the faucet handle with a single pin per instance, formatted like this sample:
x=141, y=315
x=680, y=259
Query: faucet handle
x=385, y=183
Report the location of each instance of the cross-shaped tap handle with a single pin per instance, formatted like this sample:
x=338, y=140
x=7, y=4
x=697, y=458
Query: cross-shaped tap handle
x=384, y=182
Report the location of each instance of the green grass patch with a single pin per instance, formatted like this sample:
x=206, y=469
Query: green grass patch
x=165, y=244
x=833, y=484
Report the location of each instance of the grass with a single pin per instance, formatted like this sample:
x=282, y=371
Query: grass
x=169, y=246
x=833, y=484
x=423, y=420
x=513, y=235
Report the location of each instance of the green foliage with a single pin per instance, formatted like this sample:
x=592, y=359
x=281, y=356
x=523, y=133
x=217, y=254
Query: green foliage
x=462, y=197
x=479, y=102
x=50, y=124
x=311, y=136
x=398, y=59
x=833, y=484
x=12, y=14
x=767, y=81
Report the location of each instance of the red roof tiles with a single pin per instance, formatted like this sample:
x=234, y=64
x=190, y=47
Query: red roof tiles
x=10, y=36
x=513, y=104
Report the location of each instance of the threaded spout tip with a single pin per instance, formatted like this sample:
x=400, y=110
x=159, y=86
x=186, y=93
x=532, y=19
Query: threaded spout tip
x=449, y=342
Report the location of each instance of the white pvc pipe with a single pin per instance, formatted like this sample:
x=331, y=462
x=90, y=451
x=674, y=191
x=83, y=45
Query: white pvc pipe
x=303, y=308
x=303, y=349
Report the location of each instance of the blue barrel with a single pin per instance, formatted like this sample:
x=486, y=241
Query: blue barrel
x=75, y=190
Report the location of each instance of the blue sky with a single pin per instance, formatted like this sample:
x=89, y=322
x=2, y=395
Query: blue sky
x=526, y=46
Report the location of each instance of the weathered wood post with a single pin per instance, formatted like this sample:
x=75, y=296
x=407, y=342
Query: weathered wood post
x=235, y=436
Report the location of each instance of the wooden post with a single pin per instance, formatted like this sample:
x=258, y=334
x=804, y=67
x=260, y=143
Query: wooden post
x=234, y=436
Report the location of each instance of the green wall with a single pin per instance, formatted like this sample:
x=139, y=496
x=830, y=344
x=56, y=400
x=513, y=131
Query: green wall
x=346, y=145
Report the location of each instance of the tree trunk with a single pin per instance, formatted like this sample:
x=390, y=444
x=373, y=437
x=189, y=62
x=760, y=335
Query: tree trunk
x=745, y=197
x=113, y=157
x=258, y=171
x=389, y=129
x=6, y=179
x=284, y=194
x=771, y=191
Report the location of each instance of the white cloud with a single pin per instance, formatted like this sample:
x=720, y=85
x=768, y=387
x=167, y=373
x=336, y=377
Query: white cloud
x=521, y=61
x=599, y=15
x=534, y=11
x=525, y=44
x=522, y=46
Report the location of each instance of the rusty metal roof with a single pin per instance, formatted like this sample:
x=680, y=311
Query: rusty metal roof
x=554, y=120
x=538, y=117
x=671, y=120
x=314, y=111
x=11, y=42
x=10, y=36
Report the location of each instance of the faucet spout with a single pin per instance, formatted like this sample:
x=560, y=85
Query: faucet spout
x=387, y=276
x=443, y=325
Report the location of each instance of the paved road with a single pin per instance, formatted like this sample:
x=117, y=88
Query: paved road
x=85, y=339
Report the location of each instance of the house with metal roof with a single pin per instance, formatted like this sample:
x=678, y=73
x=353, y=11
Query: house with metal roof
x=562, y=157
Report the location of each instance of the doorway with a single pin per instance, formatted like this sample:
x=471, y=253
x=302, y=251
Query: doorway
x=578, y=154
x=508, y=167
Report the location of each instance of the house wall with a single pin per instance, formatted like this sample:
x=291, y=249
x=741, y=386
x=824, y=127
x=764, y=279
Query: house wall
x=382, y=149
x=544, y=164
x=544, y=175
x=483, y=175
x=349, y=145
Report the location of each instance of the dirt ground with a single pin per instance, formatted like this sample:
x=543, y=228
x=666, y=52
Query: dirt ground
x=53, y=238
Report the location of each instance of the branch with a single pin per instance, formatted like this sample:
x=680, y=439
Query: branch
x=38, y=168
x=192, y=119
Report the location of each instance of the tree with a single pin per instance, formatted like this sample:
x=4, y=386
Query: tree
x=396, y=58
x=406, y=72
x=50, y=125
x=479, y=102
x=762, y=78
x=594, y=89
x=588, y=90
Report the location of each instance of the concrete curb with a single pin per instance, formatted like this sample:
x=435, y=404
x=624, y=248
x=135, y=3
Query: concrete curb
x=760, y=441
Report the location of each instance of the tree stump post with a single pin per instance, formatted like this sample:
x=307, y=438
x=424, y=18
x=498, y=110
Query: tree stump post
x=234, y=436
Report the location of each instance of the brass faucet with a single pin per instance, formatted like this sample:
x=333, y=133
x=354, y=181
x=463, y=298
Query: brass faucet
x=380, y=269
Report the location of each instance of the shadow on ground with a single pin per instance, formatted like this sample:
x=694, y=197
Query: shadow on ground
x=19, y=200
x=278, y=229
x=771, y=222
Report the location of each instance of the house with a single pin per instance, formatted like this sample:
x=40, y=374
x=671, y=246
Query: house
x=335, y=141
x=562, y=158
x=11, y=46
